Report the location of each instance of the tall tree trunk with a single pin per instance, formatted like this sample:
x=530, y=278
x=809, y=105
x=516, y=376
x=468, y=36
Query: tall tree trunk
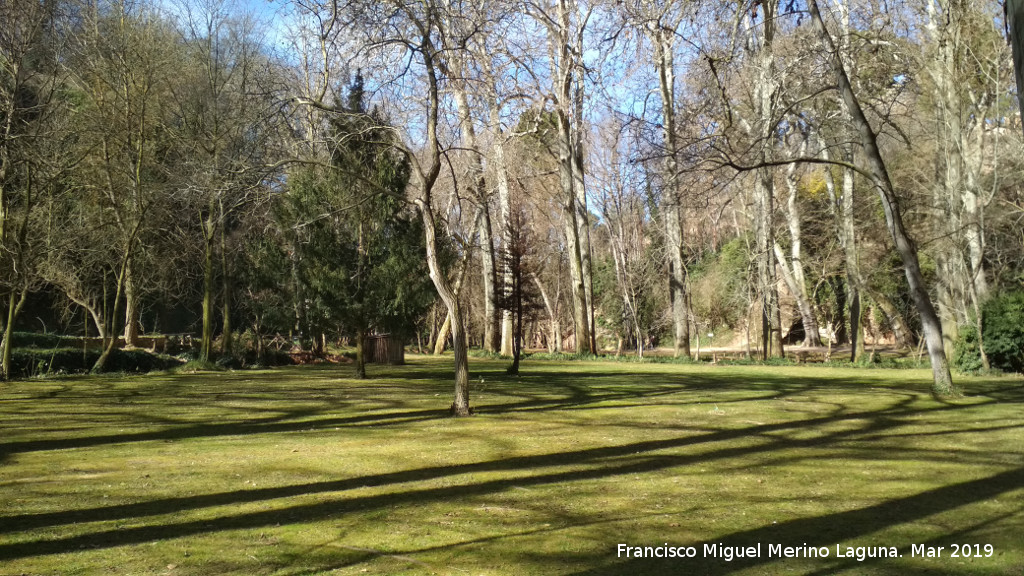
x=360, y=353
x=1015, y=24
x=579, y=297
x=206, y=345
x=131, y=314
x=227, y=337
x=427, y=177
x=672, y=202
x=962, y=282
x=15, y=303
x=491, y=313
x=477, y=189
x=771, y=329
x=460, y=406
x=765, y=92
x=841, y=202
x=583, y=222
x=942, y=379
x=567, y=97
x=793, y=268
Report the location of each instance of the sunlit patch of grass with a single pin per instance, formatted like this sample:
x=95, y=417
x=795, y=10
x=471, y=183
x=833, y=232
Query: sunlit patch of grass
x=305, y=470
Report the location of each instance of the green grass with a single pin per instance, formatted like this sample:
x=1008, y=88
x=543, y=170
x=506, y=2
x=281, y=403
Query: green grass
x=306, y=471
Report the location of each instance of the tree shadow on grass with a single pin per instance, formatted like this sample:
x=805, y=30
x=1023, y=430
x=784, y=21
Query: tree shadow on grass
x=546, y=393
x=586, y=464
x=824, y=530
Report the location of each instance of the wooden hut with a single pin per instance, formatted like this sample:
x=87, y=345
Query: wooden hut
x=384, y=349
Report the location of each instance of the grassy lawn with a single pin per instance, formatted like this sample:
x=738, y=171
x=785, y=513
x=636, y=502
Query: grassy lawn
x=306, y=471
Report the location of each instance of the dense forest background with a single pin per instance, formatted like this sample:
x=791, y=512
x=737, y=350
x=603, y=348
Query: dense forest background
x=595, y=176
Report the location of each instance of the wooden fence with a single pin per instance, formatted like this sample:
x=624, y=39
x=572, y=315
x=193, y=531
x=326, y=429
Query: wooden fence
x=384, y=349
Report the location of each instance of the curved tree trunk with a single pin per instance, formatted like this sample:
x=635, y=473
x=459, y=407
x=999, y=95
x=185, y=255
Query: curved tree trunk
x=14, y=305
x=942, y=384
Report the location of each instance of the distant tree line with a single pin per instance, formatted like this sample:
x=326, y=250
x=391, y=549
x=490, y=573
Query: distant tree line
x=579, y=176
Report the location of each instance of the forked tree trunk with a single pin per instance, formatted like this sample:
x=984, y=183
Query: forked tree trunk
x=570, y=175
x=446, y=326
x=111, y=343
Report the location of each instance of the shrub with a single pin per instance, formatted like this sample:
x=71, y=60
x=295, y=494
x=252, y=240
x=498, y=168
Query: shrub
x=1003, y=329
x=966, y=354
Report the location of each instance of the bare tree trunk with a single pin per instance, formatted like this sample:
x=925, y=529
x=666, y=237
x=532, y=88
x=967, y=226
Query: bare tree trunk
x=227, y=337
x=579, y=297
x=131, y=314
x=963, y=284
x=771, y=335
x=555, y=337
x=901, y=332
x=111, y=343
x=460, y=406
x=491, y=316
x=583, y=222
x=427, y=177
x=206, y=346
x=570, y=174
x=943, y=380
x=765, y=95
x=478, y=191
x=446, y=327
x=360, y=353
x=442, y=335
x=672, y=202
x=15, y=303
x=793, y=269
x=812, y=336
x=841, y=203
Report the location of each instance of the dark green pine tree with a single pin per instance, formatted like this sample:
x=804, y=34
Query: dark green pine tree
x=361, y=255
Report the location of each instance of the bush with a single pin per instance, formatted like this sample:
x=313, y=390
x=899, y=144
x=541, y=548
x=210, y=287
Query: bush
x=1003, y=329
x=966, y=354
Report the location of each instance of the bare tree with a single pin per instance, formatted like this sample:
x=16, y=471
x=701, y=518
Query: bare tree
x=905, y=246
x=34, y=153
x=661, y=24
